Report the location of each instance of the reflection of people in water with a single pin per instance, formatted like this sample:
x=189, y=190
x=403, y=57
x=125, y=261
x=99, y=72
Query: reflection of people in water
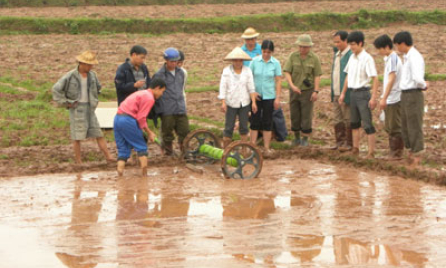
x=82, y=235
x=306, y=247
x=242, y=240
x=138, y=217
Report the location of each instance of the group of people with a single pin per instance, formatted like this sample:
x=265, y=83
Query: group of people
x=354, y=91
x=250, y=91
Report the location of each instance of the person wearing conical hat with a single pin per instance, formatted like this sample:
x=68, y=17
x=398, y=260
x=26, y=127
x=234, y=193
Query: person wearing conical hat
x=251, y=47
x=303, y=74
x=78, y=91
x=237, y=92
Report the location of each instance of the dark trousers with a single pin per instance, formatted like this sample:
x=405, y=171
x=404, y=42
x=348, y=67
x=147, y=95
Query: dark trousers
x=263, y=119
x=171, y=123
x=301, y=111
x=412, y=112
x=230, y=117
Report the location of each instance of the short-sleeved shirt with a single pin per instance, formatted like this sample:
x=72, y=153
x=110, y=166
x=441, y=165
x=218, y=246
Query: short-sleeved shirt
x=254, y=53
x=360, y=69
x=265, y=76
x=393, y=64
x=301, y=69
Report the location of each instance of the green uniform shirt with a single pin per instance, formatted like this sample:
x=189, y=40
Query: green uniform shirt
x=301, y=69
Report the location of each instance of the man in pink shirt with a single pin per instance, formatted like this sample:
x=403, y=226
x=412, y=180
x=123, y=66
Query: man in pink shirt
x=131, y=121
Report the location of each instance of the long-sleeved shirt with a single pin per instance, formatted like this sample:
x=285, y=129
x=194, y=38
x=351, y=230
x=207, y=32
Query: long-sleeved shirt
x=138, y=106
x=412, y=73
x=235, y=89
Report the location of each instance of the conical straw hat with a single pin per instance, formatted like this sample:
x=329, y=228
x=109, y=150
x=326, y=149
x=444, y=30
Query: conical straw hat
x=238, y=54
x=87, y=57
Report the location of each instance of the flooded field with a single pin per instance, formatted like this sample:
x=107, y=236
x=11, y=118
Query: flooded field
x=297, y=214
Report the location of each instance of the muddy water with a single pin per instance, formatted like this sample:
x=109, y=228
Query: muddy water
x=297, y=214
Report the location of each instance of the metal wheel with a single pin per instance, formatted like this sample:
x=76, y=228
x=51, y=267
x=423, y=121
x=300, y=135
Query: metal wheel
x=241, y=160
x=192, y=143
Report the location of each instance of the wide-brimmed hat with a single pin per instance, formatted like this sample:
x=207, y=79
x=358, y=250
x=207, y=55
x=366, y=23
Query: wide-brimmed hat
x=237, y=54
x=87, y=57
x=304, y=40
x=250, y=33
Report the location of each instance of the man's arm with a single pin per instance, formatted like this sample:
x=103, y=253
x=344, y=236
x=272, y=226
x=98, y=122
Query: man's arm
x=389, y=86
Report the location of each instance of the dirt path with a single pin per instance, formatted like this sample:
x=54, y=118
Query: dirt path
x=298, y=212
x=197, y=11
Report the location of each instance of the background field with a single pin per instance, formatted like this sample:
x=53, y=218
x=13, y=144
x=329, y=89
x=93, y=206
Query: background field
x=34, y=132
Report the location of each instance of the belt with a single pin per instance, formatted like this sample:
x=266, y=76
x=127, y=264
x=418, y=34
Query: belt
x=360, y=89
x=411, y=90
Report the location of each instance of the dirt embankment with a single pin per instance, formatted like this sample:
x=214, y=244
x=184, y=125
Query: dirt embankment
x=209, y=11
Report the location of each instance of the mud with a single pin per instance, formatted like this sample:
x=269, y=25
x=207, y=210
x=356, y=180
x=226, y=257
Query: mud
x=47, y=57
x=298, y=212
x=207, y=11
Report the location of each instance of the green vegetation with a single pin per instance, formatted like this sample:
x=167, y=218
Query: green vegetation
x=264, y=23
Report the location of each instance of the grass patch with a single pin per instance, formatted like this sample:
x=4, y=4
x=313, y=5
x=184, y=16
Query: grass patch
x=207, y=121
x=264, y=23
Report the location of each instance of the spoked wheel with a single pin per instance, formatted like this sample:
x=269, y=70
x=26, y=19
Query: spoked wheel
x=241, y=160
x=192, y=143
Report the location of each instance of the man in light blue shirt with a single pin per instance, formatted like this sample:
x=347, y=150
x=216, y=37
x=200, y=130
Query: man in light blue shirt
x=251, y=47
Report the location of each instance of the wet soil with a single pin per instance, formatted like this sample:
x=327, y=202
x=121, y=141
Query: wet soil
x=297, y=213
x=45, y=58
x=209, y=11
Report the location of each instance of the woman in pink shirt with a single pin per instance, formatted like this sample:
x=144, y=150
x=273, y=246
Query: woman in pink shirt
x=131, y=121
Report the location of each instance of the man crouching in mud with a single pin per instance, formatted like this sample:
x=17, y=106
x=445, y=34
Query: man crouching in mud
x=78, y=91
x=131, y=121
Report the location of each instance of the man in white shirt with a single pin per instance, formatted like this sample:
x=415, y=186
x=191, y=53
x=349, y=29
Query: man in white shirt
x=391, y=95
x=412, y=85
x=360, y=71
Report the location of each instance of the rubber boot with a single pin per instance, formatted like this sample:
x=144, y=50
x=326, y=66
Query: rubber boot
x=143, y=164
x=296, y=142
x=399, y=147
x=168, y=148
x=396, y=147
x=340, y=135
x=226, y=142
x=304, y=141
x=120, y=167
x=348, y=141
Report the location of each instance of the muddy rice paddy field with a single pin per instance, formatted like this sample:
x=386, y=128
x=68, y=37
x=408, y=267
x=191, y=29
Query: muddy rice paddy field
x=44, y=58
x=205, y=10
x=309, y=207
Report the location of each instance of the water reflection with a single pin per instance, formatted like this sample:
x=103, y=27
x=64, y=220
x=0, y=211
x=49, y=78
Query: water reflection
x=82, y=236
x=331, y=217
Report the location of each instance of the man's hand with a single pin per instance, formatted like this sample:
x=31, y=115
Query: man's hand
x=314, y=97
x=372, y=104
x=382, y=104
x=71, y=105
x=341, y=99
x=152, y=136
x=223, y=107
x=295, y=89
x=139, y=84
